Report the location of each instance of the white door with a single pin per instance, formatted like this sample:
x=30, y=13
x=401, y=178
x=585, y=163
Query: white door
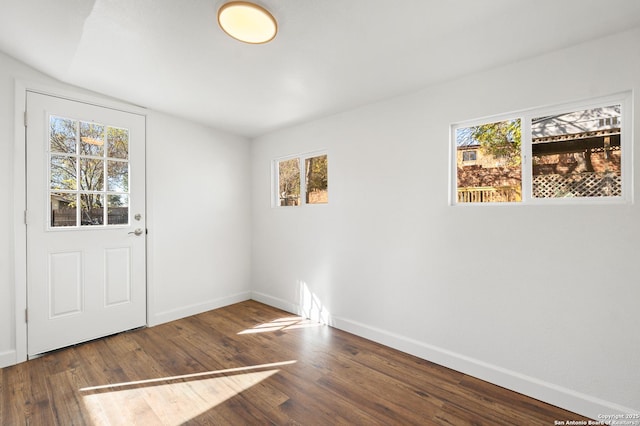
x=86, y=273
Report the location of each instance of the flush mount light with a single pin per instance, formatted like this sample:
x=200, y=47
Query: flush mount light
x=247, y=22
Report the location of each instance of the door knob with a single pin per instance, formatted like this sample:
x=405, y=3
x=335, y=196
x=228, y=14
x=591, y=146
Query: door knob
x=138, y=232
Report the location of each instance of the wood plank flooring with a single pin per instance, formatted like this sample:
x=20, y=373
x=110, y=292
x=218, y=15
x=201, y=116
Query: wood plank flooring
x=249, y=364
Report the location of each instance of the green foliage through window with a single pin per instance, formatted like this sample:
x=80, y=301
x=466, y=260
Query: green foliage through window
x=501, y=140
x=308, y=172
x=571, y=151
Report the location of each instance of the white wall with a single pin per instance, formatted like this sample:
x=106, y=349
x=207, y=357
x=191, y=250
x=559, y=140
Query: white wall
x=540, y=299
x=197, y=205
x=198, y=208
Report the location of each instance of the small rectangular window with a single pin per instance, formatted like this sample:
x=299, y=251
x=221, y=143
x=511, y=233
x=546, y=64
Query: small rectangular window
x=289, y=182
x=495, y=175
x=305, y=174
x=577, y=154
x=316, y=180
x=568, y=152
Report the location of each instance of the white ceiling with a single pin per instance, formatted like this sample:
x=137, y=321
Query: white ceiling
x=329, y=55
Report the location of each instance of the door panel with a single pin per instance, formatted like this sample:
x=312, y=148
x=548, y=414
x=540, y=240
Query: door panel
x=117, y=276
x=65, y=284
x=86, y=266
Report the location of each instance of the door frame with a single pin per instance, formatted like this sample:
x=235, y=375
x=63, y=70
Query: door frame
x=20, y=194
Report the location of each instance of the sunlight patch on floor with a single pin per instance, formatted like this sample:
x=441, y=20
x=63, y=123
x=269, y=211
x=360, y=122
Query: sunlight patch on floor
x=188, y=376
x=170, y=400
x=288, y=323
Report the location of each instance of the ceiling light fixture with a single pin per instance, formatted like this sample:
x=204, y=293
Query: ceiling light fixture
x=247, y=22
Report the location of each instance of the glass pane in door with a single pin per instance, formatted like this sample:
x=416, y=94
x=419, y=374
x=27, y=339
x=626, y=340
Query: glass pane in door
x=92, y=209
x=62, y=135
x=117, y=176
x=118, y=143
x=117, y=209
x=91, y=139
x=63, y=172
x=63, y=209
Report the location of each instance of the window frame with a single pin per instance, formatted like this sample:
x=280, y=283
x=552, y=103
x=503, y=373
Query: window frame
x=275, y=178
x=624, y=99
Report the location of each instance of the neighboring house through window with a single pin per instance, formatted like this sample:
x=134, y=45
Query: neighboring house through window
x=574, y=151
x=469, y=156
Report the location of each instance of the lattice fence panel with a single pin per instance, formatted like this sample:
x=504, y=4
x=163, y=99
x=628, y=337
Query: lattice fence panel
x=577, y=185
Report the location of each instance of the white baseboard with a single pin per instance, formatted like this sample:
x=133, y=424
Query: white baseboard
x=276, y=302
x=198, y=308
x=550, y=393
x=7, y=358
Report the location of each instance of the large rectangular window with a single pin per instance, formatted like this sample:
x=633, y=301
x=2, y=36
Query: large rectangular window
x=570, y=152
x=306, y=174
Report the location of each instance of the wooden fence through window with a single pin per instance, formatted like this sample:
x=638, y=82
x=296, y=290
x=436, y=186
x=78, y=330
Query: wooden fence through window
x=67, y=216
x=489, y=194
x=587, y=184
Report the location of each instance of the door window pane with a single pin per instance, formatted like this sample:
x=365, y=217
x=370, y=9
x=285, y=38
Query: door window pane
x=63, y=172
x=118, y=176
x=91, y=139
x=62, y=135
x=117, y=209
x=577, y=154
x=63, y=209
x=118, y=143
x=92, y=210
x=316, y=180
x=91, y=174
x=289, y=182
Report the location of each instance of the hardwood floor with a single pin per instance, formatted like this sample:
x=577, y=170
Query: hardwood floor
x=251, y=364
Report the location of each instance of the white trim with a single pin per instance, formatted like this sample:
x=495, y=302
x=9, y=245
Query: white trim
x=526, y=165
x=19, y=227
x=19, y=193
x=197, y=308
x=151, y=300
x=312, y=314
x=7, y=358
x=625, y=99
x=305, y=154
x=276, y=302
x=550, y=393
x=544, y=391
x=79, y=96
x=453, y=168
